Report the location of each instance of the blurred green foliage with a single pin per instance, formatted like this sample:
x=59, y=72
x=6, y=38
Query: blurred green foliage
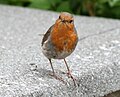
x=103, y=8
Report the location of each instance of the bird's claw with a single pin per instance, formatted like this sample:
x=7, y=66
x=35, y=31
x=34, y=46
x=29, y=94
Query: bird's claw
x=58, y=78
x=71, y=76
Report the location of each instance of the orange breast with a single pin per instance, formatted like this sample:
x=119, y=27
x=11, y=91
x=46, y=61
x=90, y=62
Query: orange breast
x=63, y=39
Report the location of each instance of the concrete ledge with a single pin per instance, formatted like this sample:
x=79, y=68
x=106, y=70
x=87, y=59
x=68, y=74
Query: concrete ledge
x=95, y=62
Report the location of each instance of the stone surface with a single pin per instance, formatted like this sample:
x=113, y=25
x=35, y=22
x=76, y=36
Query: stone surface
x=95, y=62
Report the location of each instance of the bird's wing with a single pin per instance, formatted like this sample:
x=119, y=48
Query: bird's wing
x=47, y=34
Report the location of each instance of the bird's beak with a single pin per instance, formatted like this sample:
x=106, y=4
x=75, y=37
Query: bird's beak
x=62, y=20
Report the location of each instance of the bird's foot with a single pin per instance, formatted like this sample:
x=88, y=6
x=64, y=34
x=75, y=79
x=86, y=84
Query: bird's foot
x=71, y=76
x=58, y=78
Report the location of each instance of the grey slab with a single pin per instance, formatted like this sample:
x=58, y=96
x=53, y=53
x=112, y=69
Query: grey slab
x=95, y=62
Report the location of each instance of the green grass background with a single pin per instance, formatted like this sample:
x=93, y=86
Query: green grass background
x=101, y=8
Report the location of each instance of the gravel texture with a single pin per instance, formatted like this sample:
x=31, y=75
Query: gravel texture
x=95, y=63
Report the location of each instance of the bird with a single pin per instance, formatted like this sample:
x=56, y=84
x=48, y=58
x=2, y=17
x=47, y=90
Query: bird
x=60, y=41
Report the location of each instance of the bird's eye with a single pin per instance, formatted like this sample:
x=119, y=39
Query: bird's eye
x=71, y=21
x=59, y=17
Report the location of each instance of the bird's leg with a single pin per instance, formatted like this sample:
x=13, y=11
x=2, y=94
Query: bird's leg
x=69, y=73
x=54, y=75
x=52, y=66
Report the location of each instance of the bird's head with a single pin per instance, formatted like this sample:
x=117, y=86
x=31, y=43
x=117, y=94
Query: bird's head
x=65, y=19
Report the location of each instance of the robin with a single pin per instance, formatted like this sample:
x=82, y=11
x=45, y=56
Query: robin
x=60, y=40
